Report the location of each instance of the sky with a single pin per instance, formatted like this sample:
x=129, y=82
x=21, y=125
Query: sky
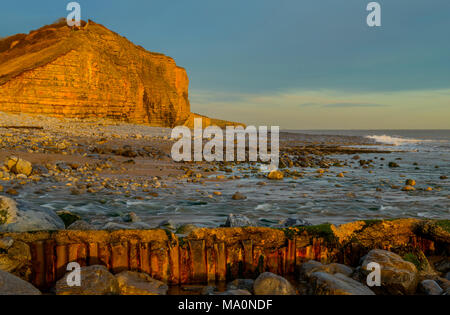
x=297, y=64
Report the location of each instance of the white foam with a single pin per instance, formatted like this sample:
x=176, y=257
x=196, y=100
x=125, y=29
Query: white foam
x=395, y=140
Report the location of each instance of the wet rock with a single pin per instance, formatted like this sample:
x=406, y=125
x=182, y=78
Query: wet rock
x=271, y=284
x=81, y=225
x=114, y=226
x=13, y=285
x=209, y=290
x=238, y=196
x=68, y=217
x=430, y=287
x=39, y=170
x=234, y=292
x=410, y=182
x=14, y=220
x=186, y=229
x=294, y=222
x=140, y=226
x=397, y=275
x=18, y=166
x=337, y=284
x=95, y=280
x=408, y=188
x=63, y=167
x=238, y=220
x=335, y=268
x=12, y=192
x=137, y=283
x=167, y=224
x=241, y=284
x=131, y=217
x=6, y=243
x=275, y=175
x=393, y=165
x=15, y=257
x=443, y=177
x=307, y=268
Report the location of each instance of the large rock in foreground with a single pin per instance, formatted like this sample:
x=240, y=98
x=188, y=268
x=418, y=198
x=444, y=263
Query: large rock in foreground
x=270, y=284
x=337, y=284
x=138, y=283
x=13, y=285
x=397, y=275
x=14, y=220
x=95, y=280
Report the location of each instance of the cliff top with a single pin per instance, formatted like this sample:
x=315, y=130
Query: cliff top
x=24, y=52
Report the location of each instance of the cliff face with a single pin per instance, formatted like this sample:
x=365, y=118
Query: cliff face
x=90, y=72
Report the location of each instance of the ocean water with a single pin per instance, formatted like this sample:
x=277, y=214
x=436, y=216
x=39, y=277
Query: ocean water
x=371, y=193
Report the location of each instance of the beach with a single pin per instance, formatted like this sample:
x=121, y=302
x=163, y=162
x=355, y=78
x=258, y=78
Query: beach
x=103, y=170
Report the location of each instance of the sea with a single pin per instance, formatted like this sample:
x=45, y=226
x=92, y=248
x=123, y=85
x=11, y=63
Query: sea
x=362, y=194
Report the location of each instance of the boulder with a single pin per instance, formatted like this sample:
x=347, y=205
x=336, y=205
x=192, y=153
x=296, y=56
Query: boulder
x=19, y=166
x=14, y=220
x=113, y=226
x=239, y=196
x=275, y=175
x=167, y=225
x=397, y=275
x=323, y=283
x=13, y=285
x=238, y=220
x=186, y=229
x=95, y=280
x=294, y=222
x=430, y=287
x=15, y=257
x=6, y=243
x=308, y=268
x=271, y=284
x=140, y=226
x=131, y=217
x=81, y=225
x=241, y=284
x=68, y=217
x=137, y=283
x=334, y=268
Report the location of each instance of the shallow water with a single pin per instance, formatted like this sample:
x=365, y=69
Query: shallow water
x=318, y=200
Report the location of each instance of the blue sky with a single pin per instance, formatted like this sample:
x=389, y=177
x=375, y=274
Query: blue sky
x=302, y=64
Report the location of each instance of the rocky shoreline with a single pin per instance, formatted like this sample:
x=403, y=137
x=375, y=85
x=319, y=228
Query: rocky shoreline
x=318, y=260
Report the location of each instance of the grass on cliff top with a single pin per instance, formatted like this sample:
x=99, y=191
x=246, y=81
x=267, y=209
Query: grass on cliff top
x=322, y=230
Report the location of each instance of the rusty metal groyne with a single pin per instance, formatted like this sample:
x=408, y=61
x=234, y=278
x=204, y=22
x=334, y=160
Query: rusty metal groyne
x=205, y=255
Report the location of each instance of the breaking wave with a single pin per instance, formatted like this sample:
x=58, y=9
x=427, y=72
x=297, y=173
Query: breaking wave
x=395, y=140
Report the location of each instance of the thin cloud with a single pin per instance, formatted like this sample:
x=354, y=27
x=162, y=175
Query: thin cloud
x=340, y=105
